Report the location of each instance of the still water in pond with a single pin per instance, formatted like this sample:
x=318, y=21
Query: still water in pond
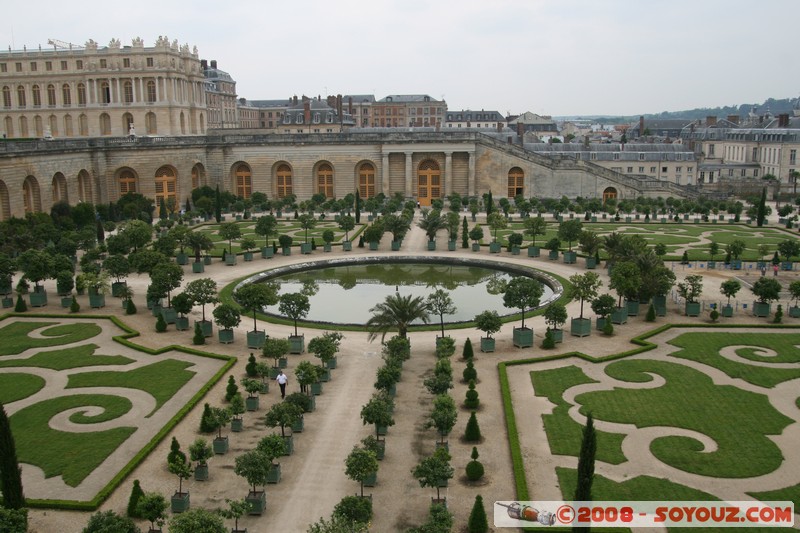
x=345, y=294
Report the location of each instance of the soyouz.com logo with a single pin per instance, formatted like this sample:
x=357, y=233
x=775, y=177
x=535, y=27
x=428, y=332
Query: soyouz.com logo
x=644, y=514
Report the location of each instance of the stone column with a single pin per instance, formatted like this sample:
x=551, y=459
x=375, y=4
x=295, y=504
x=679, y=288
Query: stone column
x=385, y=185
x=448, y=174
x=410, y=192
x=471, y=178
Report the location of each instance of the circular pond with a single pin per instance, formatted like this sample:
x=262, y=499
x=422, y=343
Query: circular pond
x=347, y=288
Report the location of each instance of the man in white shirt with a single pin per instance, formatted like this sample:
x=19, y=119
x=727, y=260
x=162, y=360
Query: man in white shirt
x=282, y=379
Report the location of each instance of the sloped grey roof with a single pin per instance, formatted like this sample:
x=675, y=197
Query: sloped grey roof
x=270, y=103
x=470, y=114
x=359, y=98
x=408, y=98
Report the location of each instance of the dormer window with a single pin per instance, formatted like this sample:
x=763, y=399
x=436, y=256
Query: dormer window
x=287, y=119
x=316, y=118
x=299, y=119
x=329, y=118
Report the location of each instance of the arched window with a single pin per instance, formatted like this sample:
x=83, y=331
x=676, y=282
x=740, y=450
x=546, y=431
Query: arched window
x=183, y=124
x=105, y=124
x=610, y=193
x=127, y=122
x=59, y=188
x=23, y=126
x=6, y=96
x=68, y=126
x=325, y=180
x=105, y=93
x=166, y=188
x=9, y=122
x=198, y=176
x=243, y=181
x=31, y=197
x=83, y=125
x=38, y=127
x=151, y=91
x=5, y=202
x=366, y=180
x=150, y=123
x=51, y=95
x=284, y=181
x=127, y=182
x=127, y=92
x=85, y=187
x=53, y=125
x=21, y=96
x=66, y=95
x=81, y=94
x=429, y=184
x=516, y=182
x=37, y=96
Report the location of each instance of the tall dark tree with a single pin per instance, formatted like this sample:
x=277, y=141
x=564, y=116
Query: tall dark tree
x=217, y=206
x=583, y=492
x=10, y=472
x=761, y=213
x=464, y=233
x=358, y=207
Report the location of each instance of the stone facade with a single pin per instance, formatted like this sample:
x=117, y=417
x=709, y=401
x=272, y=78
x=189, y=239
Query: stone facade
x=418, y=165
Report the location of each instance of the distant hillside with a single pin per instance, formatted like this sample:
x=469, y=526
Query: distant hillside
x=775, y=107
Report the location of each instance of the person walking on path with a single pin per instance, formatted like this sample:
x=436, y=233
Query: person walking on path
x=775, y=270
x=282, y=379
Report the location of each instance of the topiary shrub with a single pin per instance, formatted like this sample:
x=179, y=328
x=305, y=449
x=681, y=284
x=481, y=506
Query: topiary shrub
x=199, y=338
x=74, y=307
x=714, y=314
x=467, y=353
x=130, y=307
x=175, y=454
x=21, y=306
x=161, y=324
x=608, y=327
x=231, y=389
x=477, y=522
x=469, y=373
x=136, y=494
x=549, y=342
x=471, y=401
x=474, y=467
x=651, y=314
x=207, y=422
x=354, y=509
x=250, y=368
x=685, y=258
x=778, y=315
x=473, y=431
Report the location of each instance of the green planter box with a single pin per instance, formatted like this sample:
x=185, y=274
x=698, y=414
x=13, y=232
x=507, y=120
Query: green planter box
x=761, y=309
x=182, y=259
x=347, y=246
x=727, y=311
x=692, y=309
x=570, y=257
x=38, y=299
x=495, y=248
x=451, y=246
x=251, y=403
x=533, y=251
x=786, y=266
x=118, y=289
x=230, y=259
x=487, y=344
x=325, y=376
x=593, y=219
x=515, y=250
x=299, y=425
x=274, y=474
x=198, y=267
x=286, y=251
x=396, y=246
x=523, y=337
x=619, y=315
x=264, y=387
x=248, y=256
x=66, y=301
x=182, y=323
x=267, y=252
x=591, y=263
x=206, y=327
x=431, y=245
x=326, y=247
x=180, y=502
x=331, y=363
x=552, y=255
x=225, y=336
x=476, y=247
x=305, y=248
x=736, y=264
x=237, y=425
x=794, y=312
x=371, y=480
x=381, y=452
x=289, y=442
x=169, y=314
x=632, y=307
x=155, y=310
x=316, y=388
x=297, y=344
x=201, y=473
x=257, y=501
x=660, y=303
x=9, y=302
x=373, y=246
x=557, y=334
x=381, y=430
x=256, y=339
x=273, y=372
x=712, y=264
x=580, y=327
x=207, y=260
x=600, y=323
x=96, y=301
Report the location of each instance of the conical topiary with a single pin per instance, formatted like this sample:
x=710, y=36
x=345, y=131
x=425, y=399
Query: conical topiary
x=473, y=431
x=199, y=338
x=549, y=342
x=469, y=373
x=231, y=389
x=608, y=327
x=474, y=467
x=468, y=353
x=207, y=422
x=136, y=493
x=21, y=306
x=130, y=307
x=175, y=454
x=477, y=517
x=74, y=307
x=471, y=400
x=161, y=324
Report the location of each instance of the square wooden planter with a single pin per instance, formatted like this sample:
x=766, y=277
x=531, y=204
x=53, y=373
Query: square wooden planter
x=523, y=337
x=570, y=258
x=225, y=336
x=580, y=327
x=180, y=502
x=257, y=501
x=692, y=309
x=487, y=344
x=256, y=339
x=533, y=251
x=727, y=311
x=220, y=445
x=297, y=344
x=274, y=474
x=267, y=252
x=761, y=309
x=619, y=315
x=198, y=267
x=495, y=248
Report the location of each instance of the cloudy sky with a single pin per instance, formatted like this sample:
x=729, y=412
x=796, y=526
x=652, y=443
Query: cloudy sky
x=552, y=57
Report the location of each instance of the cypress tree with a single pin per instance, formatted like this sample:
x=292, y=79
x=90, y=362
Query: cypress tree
x=477, y=518
x=468, y=353
x=162, y=210
x=133, y=501
x=175, y=454
x=217, y=206
x=549, y=342
x=74, y=307
x=464, y=233
x=761, y=213
x=10, y=472
x=358, y=207
x=101, y=234
x=489, y=204
x=583, y=492
x=473, y=431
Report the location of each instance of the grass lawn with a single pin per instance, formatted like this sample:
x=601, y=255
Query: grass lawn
x=676, y=404
x=77, y=454
x=564, y=433
x=791, y=494
x=16, y=337
x=68, y=358
x=16, y=386
x=161, y=380
x=705, y=348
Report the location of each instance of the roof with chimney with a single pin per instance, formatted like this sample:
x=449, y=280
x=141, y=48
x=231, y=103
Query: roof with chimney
x=359, y=98
x=408, y=99
x=319, y=110
x=474, y=115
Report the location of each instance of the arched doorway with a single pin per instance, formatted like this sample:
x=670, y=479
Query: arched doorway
x=127, y=182
x=283, y=181
x=5, y=202
x=59, y=188
x=85, y=187
x=166, y=188
x=325, y=180
x=609, y=194
x=243, y=181
x=366, y=180
x=516, y=182
x=198, y=176
x=429, y=180
x=31, y=195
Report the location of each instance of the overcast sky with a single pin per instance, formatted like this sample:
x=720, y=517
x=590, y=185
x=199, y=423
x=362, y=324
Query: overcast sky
x=550, y=57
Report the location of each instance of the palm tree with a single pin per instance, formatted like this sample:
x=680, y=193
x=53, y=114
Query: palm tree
x=396, y=312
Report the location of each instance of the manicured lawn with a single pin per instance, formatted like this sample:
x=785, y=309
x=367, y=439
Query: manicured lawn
x=77, y=454
x=564, y=433
x=791, y=494
x=161, y=380
x=16, y=386
x=68, y=358
x=705, y=348
x=16, y=339
x=678, y=404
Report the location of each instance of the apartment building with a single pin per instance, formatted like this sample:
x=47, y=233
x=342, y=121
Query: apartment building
x=223, y=109
x=482, y=120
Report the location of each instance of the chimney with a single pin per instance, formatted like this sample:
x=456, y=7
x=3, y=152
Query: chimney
x=641, y=125
x=339, y=107
x=307, y=111
x=499, y=127
x=294, y=100
x=214, y=63
x=783, y=120
x=711, y=120
x=350, y=105
x=204, y=64
x=520, y=129
x=733, y=119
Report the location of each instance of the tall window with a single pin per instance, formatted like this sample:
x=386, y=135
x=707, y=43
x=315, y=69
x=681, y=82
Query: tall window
x=127, y=182
x=151, y=91
x=6, y=96
x=23, y=126
x=127, y=92
x=366, y=180
x=150, y=123
x=105, y=93
x=66, y=95
x=51, y=95
x=38, y=127
x=68, y=130
x=166, y=185
x=37, y=96
x=9, y=126
x=85, y=187
x=105, y=124
x=5, y=202
x=284, y=181
x=197, y=175
x=81, y=94
x=31, y=197
x=244, y=184
x=325, y=180
x=21, y=96
x=83, y=125
x=127, y=122
x=59, y=188
x=53, y=125
x=516, y=182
